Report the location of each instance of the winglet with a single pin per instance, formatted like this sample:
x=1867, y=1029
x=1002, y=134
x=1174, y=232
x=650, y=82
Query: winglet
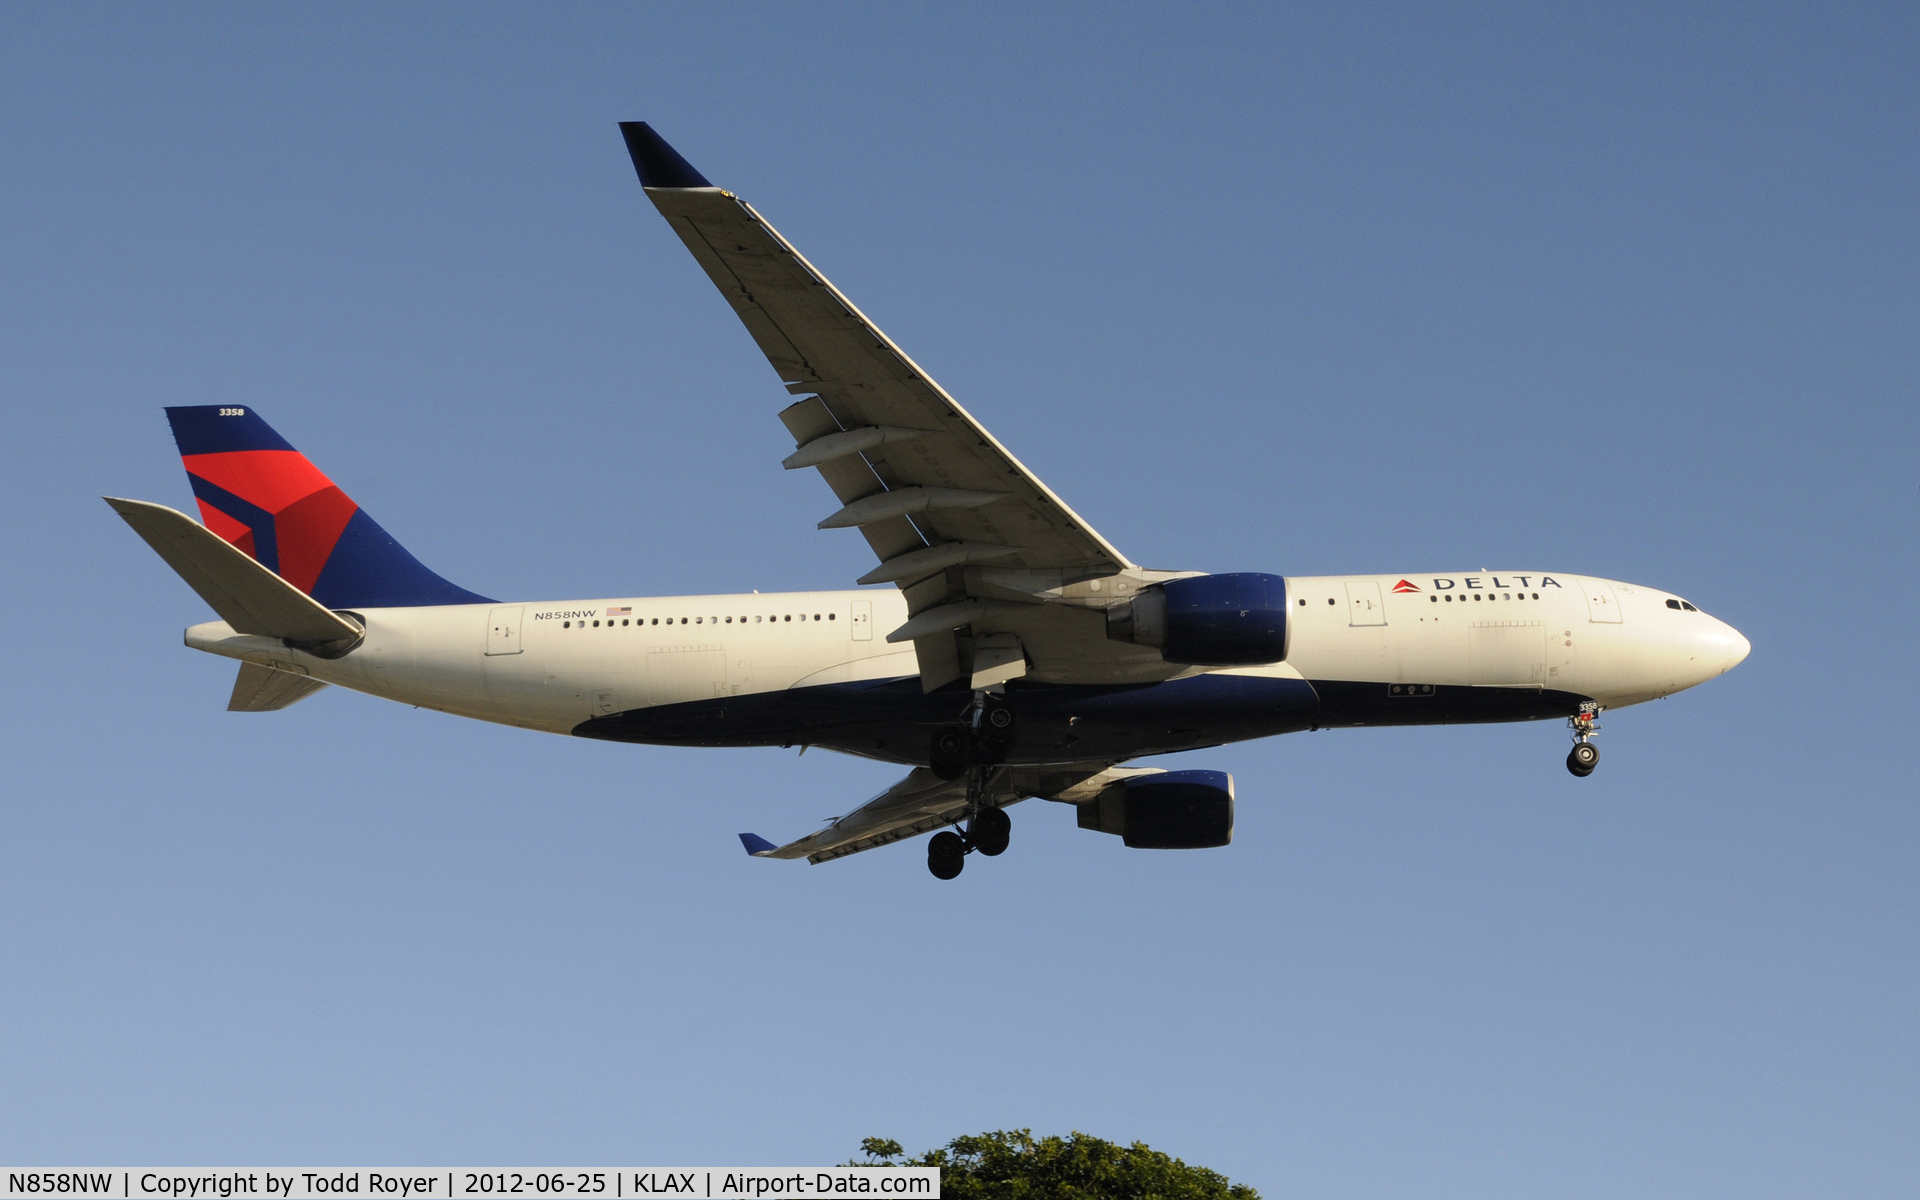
x=659, y=165
x=757, y=845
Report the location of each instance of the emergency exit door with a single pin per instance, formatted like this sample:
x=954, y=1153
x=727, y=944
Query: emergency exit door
x=1601, y=604
x=1363, y=603
x=503, y=631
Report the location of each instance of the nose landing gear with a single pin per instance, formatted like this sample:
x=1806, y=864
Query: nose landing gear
x=1584, y=756
x=989, y=829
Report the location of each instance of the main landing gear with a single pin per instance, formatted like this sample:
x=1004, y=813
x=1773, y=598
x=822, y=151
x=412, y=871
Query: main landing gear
x=989, y=829
x=983, y=737
x=1584, y=756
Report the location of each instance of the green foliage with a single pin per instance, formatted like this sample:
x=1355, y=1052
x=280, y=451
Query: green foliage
x=1015, y=1165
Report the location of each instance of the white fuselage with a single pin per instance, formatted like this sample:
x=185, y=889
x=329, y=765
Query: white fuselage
x=553, y=665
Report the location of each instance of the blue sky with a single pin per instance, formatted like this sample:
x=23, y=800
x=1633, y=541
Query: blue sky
x=1615, y=290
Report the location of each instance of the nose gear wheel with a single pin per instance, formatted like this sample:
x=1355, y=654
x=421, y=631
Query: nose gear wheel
x=1584, y=756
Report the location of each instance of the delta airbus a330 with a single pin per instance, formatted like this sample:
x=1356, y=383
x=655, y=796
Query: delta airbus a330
x=1018, y=654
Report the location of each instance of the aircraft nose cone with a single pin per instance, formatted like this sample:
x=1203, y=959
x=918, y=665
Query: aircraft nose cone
x=1738, y=647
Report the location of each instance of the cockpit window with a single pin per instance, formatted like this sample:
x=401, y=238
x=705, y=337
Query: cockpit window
x=1688, y=607
x=1674, y=605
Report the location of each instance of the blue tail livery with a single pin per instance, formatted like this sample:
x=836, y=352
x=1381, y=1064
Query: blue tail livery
x=259, y=493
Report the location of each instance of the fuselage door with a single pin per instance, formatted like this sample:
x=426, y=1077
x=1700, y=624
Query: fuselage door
x=862, y=623
x=1601, y=605
x=1363, y=603
x=503, y=631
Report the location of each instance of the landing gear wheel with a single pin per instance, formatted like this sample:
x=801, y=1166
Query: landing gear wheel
x=1583, y=758
x=991, y=831
x=947, y=753
x=999, y=726
x=946, y=854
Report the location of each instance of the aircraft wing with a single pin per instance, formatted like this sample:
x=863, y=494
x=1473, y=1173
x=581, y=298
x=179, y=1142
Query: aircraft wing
x=926, y=484
x=923, y=802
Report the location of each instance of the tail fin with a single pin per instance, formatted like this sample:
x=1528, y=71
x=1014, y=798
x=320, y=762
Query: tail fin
x=263, y=496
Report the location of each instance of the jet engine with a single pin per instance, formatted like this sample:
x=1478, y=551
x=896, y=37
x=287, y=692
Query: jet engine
x=1235, y=620
x=1172, y=810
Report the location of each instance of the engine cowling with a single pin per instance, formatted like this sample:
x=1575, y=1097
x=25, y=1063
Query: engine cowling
x=1174, y=810
x=1232, y=620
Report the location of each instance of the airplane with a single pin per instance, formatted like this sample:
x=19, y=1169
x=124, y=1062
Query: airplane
x=1018, y=654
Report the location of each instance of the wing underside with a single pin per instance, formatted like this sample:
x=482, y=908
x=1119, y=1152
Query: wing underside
x=923, y=802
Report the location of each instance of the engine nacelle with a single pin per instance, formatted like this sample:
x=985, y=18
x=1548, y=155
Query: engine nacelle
x=1175, y=810
x=1234, y=620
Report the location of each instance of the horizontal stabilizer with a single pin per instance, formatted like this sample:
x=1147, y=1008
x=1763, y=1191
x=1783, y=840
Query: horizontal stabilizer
x=248, y=596
x=756, y=845
x=264, y=689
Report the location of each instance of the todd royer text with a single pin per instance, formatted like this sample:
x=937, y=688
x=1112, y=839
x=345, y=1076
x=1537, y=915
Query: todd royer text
x=705, y=1183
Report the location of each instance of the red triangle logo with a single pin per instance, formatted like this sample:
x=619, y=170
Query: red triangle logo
x=1404, y=586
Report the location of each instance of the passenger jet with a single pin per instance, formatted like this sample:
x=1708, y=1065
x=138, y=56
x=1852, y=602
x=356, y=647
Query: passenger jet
x=1016, y=654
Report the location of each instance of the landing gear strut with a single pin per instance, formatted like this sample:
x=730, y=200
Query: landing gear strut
x=989, y=829
x=1584, y=756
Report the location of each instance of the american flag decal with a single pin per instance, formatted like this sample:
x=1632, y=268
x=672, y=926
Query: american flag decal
x=624, y=611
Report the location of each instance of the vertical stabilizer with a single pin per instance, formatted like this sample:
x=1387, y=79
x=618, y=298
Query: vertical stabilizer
x=263, y=496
